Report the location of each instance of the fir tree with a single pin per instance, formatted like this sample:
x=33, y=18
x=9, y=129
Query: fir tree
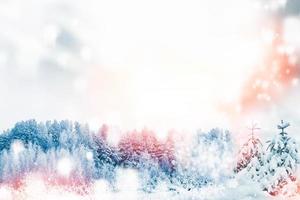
x=252, y=149
x=280, y=162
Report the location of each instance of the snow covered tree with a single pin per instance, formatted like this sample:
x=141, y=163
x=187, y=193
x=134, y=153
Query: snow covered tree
x=106, y=159
x=4, y=141
x=32, y=146
x=205, y=159
x=252, y=149
x=280, y=163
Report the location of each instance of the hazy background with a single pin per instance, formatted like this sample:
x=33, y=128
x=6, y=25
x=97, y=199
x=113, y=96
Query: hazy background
x=161, y=63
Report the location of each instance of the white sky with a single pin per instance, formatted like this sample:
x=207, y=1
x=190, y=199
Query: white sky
x=160, y=63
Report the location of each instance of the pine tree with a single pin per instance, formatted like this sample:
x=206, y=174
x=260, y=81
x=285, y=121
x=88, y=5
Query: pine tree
x=206, y=159
x=280, y=162
x=252, y=149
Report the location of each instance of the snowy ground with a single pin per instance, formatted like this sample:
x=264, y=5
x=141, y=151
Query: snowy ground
x=232, y=190
x=206, y=193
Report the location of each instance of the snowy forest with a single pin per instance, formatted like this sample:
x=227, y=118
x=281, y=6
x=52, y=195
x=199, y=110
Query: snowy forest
x=149, y=100
x=68, y=153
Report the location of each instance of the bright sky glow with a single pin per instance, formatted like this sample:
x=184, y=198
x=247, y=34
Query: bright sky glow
x=163, y=62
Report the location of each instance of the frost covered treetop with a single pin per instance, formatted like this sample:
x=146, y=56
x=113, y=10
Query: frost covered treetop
x=283, y=126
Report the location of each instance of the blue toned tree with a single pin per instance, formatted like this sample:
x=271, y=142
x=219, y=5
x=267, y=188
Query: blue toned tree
x=206, y=159
x=281, y=161
x=277, y=173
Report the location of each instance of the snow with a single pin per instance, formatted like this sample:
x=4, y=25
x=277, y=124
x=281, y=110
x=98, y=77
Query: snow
x=57, y=55
x=65, y=157
x=35, y=189
x=64, y=166
x=5, y=193
x=89, y=155
x=17, y=147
